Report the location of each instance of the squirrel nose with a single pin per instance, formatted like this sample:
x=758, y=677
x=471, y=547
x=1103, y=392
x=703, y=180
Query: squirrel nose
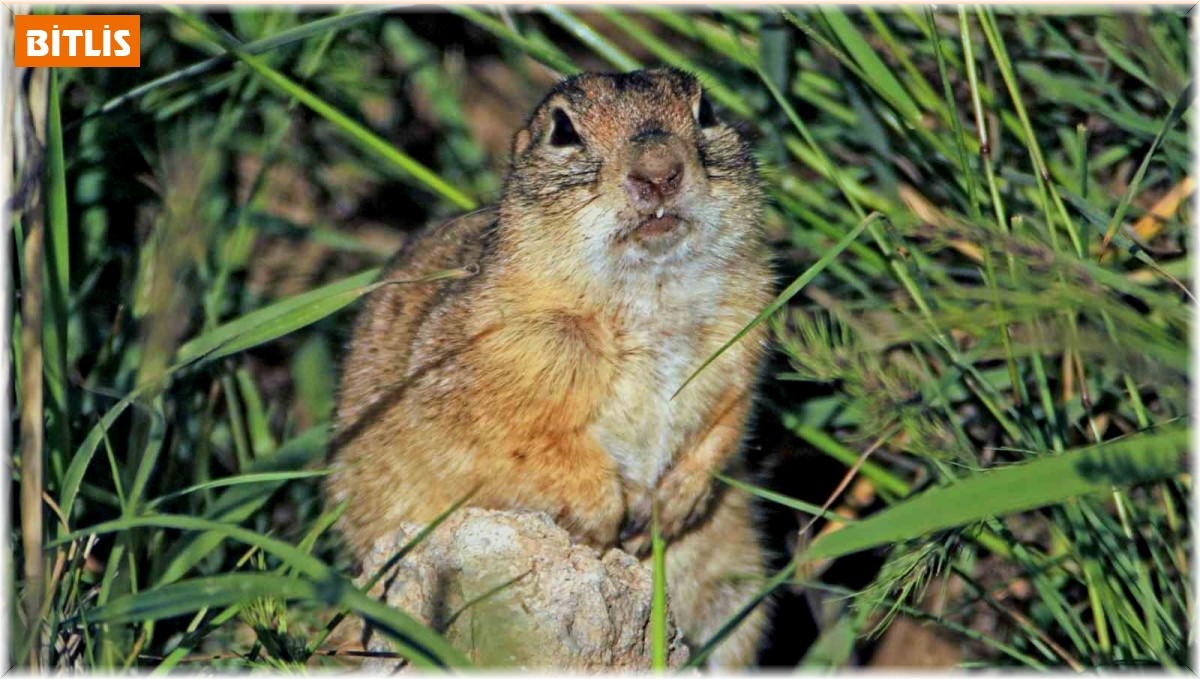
x=655, y=176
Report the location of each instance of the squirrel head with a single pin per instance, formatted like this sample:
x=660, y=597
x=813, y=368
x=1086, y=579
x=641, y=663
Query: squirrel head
x=620, y=174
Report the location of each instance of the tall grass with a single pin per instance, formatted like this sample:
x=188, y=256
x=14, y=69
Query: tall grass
x=982, y=214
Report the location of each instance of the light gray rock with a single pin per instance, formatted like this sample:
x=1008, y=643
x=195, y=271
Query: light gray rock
x=510, y=590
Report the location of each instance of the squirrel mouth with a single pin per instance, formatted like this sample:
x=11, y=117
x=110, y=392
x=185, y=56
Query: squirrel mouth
x=657, y=231
x=656, y=226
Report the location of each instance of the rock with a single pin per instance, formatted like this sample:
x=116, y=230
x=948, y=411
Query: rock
x=510, y=590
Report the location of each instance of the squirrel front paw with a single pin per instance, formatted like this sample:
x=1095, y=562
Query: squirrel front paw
x=638, y=507
x=683, y=497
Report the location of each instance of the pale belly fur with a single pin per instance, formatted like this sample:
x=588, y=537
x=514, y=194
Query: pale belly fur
x=639, y=425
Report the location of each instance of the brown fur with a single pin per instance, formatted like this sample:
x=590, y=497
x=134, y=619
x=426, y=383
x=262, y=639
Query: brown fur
x=544, y=381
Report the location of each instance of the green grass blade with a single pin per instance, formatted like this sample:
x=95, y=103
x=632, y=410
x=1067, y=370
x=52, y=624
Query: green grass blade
x=355, y=131
x=276, y=320
x=1019, y=487
x=243, y=479
x=257, y=424
x=920, y=615
x=877, y=73
x=546, y=55
x=881, y=477
x=192, y=595
x=692, y=26
x=720, y=92
x=260, y=46
x=418, y=643
x=1041, y=172
x=658, y=602
x=302, y=562
x=155, y=435
x=821, y=160
x=73, y=477
x=588, y=36
x=955, y=122
x=777, y=498
x=701, y=654
x=289, y=315
x=57, y=286
x=240, y=502
x=782, y=298
x=1181, y=106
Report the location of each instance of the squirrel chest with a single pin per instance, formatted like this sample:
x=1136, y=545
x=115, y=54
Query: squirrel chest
x=638, y=424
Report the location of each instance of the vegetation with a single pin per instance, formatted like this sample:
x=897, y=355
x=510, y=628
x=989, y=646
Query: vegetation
x=981, y=366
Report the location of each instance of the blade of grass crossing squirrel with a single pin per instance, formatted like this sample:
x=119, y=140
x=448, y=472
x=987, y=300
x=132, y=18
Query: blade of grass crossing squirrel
x=788, y=293
x=658, y=610
x=701, y=654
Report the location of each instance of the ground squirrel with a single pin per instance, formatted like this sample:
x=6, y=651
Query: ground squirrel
x=625, y=250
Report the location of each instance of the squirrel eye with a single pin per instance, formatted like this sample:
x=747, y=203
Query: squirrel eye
x=705, y=117
x=563, y=132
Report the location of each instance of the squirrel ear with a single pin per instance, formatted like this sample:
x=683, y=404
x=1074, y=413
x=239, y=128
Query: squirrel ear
x=562, y=130
x=705, y=116
x=521, y=142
